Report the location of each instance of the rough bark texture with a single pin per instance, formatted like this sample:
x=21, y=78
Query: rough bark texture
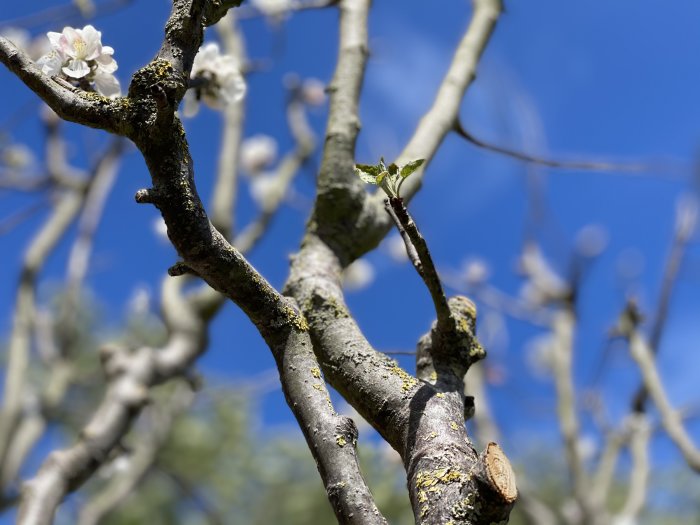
x=448, y=480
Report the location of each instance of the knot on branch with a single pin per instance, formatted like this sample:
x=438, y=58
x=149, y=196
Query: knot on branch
x=215, y=10
x=156, y=90
x=181, y=268
x=146, y=196
x=451, y=346
x=346, y=432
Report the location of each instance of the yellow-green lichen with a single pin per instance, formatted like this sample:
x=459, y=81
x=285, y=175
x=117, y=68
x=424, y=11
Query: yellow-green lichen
x=316, y=372
x=466, y=507
x=454, y=426
x=408, y=381
x=318, y=387
x=431, y=480
x=297, y=320
x=440, y=395
x=340, y=440
x=433, y=376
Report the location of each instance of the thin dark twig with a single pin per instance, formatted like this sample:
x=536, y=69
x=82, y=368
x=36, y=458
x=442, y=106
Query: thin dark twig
x=562, y=164
x=420, y=256
x=684, y=230
x=410, y=250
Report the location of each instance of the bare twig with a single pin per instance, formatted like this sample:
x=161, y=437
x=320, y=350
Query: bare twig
x=670, y=418
x=440, y=119
x=640, y=435
x=560, y=164
x=419, y=256
x=686, y=217
x=159, y=418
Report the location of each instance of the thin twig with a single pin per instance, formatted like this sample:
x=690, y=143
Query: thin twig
x=670, y=418
x=639, y=167
x=686, y=217
x=420, y=257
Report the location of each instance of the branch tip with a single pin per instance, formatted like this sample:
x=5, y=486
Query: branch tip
x=146, y=196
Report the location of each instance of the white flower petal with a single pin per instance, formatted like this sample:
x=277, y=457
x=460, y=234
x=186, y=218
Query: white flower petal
x=71, y=42
x=190, y=104
x=257, y=152
x=92, y=39
x=107, y=85
x=233, y=88
x=358, y=275
x=55, y=39
x=51, y=63
x=106, y=64
x=76, y=68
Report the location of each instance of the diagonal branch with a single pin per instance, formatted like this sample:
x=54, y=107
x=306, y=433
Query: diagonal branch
x=670, y=418
x=552, y=163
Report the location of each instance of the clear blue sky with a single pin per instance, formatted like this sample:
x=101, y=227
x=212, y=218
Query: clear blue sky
x=614, y=80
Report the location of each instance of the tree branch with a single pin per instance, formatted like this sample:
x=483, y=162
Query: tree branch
x=551, y=163
x=74, y=105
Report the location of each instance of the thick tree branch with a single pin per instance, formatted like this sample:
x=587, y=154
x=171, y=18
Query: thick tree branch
x=332, y=438
x=340, y=194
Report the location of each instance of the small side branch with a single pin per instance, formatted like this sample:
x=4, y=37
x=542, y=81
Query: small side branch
x=552, y=163
x=670, y=418
x=419, y=254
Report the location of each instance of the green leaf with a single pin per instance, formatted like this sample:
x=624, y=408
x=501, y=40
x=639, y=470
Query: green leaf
x=381, y=176
x=393, y=169
x=368, y=168
x=366, y=177
x=412, y=166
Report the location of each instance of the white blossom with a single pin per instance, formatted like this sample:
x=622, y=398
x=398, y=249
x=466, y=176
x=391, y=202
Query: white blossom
x=21, y=38
x=17, y=156
x=160, y=229
x=257, y=153
x=78, y=54
x=591, y=240
x=217, y=80
x=313, y=92
x=273, y=8
x=358, y=275
x=396, y=248
x=263, y=189
x=139, y=303
x=475, y=271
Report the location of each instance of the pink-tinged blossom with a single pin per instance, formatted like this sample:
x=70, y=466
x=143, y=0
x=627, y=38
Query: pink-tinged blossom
x=78, y=54
x=217, y=81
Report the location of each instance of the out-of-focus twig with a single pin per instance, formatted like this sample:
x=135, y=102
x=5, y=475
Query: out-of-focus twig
x=420, y=257
x=686, y=219
x=612, y=167
x=158, y=420
x=670, y=418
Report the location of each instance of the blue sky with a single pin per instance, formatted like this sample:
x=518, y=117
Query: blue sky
x=613, y=80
